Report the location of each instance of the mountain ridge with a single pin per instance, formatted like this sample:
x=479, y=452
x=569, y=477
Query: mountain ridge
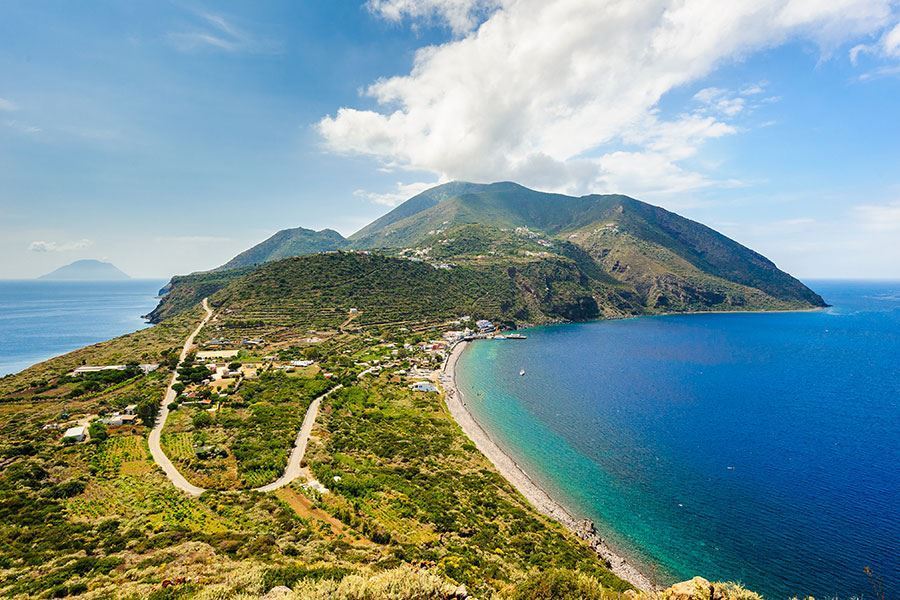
x=86, y=269
x=285, y=244
x=620, y=249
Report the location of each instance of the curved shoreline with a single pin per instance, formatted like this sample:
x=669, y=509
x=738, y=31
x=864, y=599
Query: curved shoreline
x=513, y=473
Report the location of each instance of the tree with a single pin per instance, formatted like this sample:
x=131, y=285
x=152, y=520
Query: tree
x=201, y=420
x=97, y=431
x=147, y=410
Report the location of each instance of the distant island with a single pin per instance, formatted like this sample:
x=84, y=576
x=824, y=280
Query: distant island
x=86, y=270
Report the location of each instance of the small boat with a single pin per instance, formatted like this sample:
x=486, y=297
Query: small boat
x=499, y=337
x=516, y=336
x=522, y=372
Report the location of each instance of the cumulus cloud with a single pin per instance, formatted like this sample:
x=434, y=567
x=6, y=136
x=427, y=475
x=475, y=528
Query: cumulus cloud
x=44, y=246
x=460, y=15
x=564, y=95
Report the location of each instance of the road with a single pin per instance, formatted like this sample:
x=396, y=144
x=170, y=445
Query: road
x=293, y=470
x=156, y=450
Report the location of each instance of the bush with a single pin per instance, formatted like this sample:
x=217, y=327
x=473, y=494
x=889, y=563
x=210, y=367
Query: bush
x=560, y=584
x=201, y=420
x=97, y=431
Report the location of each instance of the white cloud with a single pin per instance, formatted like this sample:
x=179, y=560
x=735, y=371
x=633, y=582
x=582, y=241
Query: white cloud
x=213, y=31
x=22, y=127
x=401, y=193
x=886, y=48
x=44, y=246
x=8, y=105
x=564, y=95
x=879, y=217
x=460, y=15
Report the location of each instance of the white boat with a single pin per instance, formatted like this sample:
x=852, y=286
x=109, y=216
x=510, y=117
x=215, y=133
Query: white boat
x=522, y=372
x=499, y=337
x=516, y=336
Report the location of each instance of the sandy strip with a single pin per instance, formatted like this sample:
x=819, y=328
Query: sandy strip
x=523, y=483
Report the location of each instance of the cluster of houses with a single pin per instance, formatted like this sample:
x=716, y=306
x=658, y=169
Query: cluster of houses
x=128, y=416
x=78, y=433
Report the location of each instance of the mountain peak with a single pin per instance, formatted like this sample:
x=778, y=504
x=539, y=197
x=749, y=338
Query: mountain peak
x=86, y=270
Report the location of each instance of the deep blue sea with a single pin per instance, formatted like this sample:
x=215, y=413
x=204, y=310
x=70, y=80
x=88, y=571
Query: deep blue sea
x=42, y=319
x=761, y=448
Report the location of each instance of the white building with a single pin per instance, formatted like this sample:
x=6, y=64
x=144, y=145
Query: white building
x=75, y=433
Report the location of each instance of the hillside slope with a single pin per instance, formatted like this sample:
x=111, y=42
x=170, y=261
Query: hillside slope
x=627, y=256
x=320, y=291
x=672, y=261
x=287, y=243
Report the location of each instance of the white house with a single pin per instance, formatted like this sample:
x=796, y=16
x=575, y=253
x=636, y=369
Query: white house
x=76, y=433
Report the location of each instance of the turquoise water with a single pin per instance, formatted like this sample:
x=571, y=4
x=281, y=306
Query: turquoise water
x=42, y=319
x=761, y=448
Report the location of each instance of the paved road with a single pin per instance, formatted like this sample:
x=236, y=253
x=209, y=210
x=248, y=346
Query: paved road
x=293, y=470
x=156, y=451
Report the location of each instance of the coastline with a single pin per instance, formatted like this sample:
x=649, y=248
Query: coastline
x=526, y=486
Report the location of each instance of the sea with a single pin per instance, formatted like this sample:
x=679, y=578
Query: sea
x=41, y=319
x=759, y=448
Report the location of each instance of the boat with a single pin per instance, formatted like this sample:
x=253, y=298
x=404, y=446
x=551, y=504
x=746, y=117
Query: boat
x=522, y=372
x=516, y=336
x=499, y=337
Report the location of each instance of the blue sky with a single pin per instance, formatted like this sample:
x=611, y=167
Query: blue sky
x=168, y=136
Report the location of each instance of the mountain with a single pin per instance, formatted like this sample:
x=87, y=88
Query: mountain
x=287, y=243
x=672, y=262
x=86, y=270
x=554, y=257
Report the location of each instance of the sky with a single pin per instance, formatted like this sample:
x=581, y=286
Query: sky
x=167, y=136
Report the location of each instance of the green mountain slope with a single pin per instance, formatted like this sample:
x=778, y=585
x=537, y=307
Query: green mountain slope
x=365, y=237
x=320, y=290
x=287, y=243
x=673, y=262
x=627, y=256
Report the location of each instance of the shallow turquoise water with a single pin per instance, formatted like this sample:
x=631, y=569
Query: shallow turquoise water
x=754, y=447
x=42, y=319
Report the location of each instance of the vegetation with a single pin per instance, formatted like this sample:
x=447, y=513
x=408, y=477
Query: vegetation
x=430, y=495
x=628, y=257
x=285, y=244
x=242, y=441
x=396, y=500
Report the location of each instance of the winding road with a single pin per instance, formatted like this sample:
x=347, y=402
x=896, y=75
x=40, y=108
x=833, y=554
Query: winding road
x=159, y=457
x=293, y=469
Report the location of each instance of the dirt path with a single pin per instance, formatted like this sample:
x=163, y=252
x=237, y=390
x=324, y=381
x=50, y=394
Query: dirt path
x=159, y=457
x=291, y=472
x=293, y=469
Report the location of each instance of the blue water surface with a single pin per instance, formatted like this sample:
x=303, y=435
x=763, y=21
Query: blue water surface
x=42, y=319
x=760, y=448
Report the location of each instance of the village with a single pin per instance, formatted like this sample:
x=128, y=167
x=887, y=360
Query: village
x=213, y=374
